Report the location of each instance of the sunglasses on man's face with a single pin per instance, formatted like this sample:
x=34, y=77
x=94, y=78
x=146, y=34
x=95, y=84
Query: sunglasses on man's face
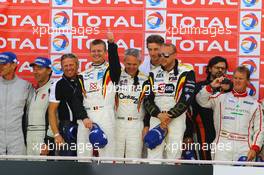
x=165, y=55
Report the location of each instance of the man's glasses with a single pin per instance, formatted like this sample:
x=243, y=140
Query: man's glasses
x=165, y=55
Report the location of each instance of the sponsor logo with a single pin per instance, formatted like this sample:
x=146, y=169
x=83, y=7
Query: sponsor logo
x=249, y=44
x=60, y=42
x=251, y=65
x=249, y=3
x=129, y=97
x=60, y=2
x=248, y=102
x=173, y=78
x=166, y=88
x=61, y=19
x=100, y=75
x=252, y=90
x=154, y=20
x=56, y=66
x=154, y=2
x=88, y=76
x=249, y=21
x=229, y=118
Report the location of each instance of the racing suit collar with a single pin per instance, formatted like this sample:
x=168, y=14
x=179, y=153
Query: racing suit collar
x=98, y=65
x=239, y=94
x=9, y=81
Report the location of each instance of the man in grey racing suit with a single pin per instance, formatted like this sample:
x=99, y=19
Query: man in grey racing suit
x=14, y=94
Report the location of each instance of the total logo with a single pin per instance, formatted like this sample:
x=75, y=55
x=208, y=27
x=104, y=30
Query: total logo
x=249, y=45
x=156, y=20
x=183, y=20
x=252, y=90
x=252, y=64
x=202, y=45
x=61, y=43
x=62, y=3
x=86, y=19
x=250, y=21
x=156, y=4
x=56, y=66
x=61, y=19
x=250, y=3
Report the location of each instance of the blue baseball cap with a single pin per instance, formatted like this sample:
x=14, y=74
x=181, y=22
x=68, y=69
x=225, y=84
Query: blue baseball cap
x=8, y=57
x=42, y=62
x=97, y=137
x=155, y=137
x=70, y=133
x=242, y=159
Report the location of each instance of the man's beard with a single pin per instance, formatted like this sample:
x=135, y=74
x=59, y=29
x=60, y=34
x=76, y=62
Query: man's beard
x=217, y=75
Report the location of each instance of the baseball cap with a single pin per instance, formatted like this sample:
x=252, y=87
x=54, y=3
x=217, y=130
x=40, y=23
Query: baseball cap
x=97, y=137
x=70, y=133
x=42, y=62
x=8, y=57
x=155, y=137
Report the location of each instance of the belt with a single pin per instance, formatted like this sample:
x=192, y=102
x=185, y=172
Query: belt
x=128, y=118
x=36, y=128
x=233, y=136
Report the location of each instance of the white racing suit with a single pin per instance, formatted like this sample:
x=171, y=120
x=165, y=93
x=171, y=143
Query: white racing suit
x=13, y=98
x=171, y=92
x=130, y=114
x=99, y=104
x=238, y=122
x=129, y=108
x=38, y=127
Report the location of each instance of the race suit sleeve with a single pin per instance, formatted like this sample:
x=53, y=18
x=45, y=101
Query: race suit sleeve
x=257, y=130
x=206, y=99
x=187, y=95
x=149, y=103
x=114, y=63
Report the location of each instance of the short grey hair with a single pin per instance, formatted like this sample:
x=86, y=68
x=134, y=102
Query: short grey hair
x=133, y=52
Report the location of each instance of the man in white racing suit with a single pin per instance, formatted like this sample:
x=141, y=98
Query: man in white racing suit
x=172, y=91
x=39, y=134
x=238, y=118
x=129, y=107
x=99, y=102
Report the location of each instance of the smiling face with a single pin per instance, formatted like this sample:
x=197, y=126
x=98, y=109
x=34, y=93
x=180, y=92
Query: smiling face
x=240, y=81
x=41, y=74
x=131, y=64
x=7, y=69
x=98, y=53
x=167, y=55
x=69, y=67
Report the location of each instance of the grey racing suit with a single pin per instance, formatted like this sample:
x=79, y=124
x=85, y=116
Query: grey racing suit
x=38, y=128
x=238, y=122
x=14, y=95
